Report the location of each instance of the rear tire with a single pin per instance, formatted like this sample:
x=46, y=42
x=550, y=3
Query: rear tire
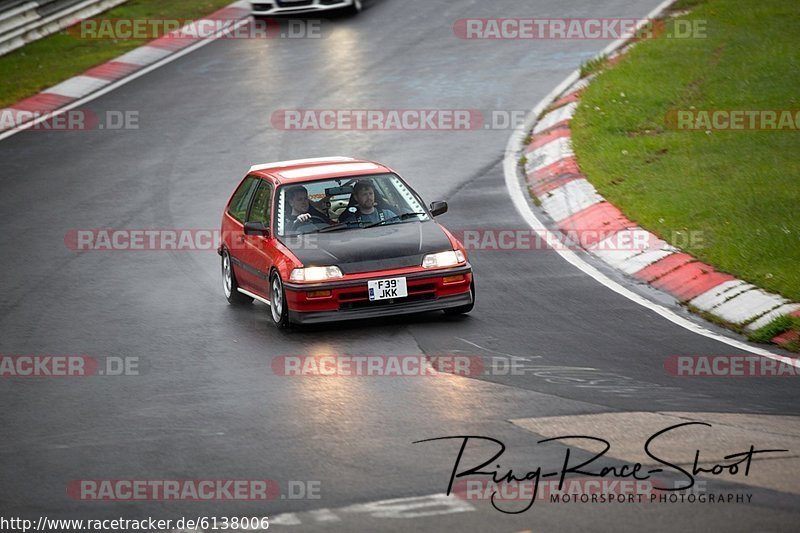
x=464, y=309
x=277, y=298
x=229, y=285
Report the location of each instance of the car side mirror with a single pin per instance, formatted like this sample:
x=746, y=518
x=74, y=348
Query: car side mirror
x=256, y=228
x=438, y=208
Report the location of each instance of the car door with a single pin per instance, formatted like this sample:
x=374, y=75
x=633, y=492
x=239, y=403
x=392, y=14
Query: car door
x=257, y=250
x=233, y=225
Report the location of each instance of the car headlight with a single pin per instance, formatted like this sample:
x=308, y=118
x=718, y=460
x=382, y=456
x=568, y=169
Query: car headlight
x=315, y=273
x=443, y=259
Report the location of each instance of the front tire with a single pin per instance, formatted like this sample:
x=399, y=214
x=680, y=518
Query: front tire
x=229, y=286
x=354, y=8
x=464, y=309
x=277, y=298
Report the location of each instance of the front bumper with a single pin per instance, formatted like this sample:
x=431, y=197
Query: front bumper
x=287, y=7
x=382, y=311
x=349, y=299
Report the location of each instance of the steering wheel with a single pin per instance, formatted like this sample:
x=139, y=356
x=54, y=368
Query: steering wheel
x=297, y=224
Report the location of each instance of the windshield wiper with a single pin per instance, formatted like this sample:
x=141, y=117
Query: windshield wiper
x=336, y=227
x=396, y=217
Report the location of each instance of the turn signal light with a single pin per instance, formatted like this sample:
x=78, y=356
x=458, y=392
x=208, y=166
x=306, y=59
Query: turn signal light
x=318, y=294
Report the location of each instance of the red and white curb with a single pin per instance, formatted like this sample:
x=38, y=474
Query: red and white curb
x=30, y=111
x=554, y=177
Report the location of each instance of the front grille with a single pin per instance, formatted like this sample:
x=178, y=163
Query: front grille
x=381, y=264
x=300, y=3
x=362, y=304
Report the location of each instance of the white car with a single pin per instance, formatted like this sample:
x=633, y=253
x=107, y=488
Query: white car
x=290, y=7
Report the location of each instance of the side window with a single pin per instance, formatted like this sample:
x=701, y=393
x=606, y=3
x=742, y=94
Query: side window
x=262, y=202
x=241, y=198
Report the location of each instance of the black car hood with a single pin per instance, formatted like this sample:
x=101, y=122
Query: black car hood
x=368, y=249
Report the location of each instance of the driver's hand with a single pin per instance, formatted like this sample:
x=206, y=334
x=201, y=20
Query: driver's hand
x=304, y=217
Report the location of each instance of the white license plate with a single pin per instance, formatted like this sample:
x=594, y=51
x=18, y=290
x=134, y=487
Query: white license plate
x=386, y=289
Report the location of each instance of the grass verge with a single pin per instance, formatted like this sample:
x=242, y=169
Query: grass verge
x=46, y=62
x=736, y=192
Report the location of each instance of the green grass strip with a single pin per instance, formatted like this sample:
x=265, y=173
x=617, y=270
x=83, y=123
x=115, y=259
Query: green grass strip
x=730, y=198
x=46, y=62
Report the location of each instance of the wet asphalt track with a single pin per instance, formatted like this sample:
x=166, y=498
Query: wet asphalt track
x=206, y=405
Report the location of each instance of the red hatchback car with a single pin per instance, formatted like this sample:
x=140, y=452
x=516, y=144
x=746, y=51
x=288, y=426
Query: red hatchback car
x=336, y=239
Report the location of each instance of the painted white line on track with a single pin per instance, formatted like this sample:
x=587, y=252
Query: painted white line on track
x=510, y=356
x=413, y=507
x=395, y=508
x=324, y=515
x=517, y=192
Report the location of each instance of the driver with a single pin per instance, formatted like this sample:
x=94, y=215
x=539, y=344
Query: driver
x=366, y=211
x=301, y=208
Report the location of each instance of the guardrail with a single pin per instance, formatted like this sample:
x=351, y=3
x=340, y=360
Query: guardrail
x=24, y=21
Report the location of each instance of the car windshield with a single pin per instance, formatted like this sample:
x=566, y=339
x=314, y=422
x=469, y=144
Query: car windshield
x=343, y=204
